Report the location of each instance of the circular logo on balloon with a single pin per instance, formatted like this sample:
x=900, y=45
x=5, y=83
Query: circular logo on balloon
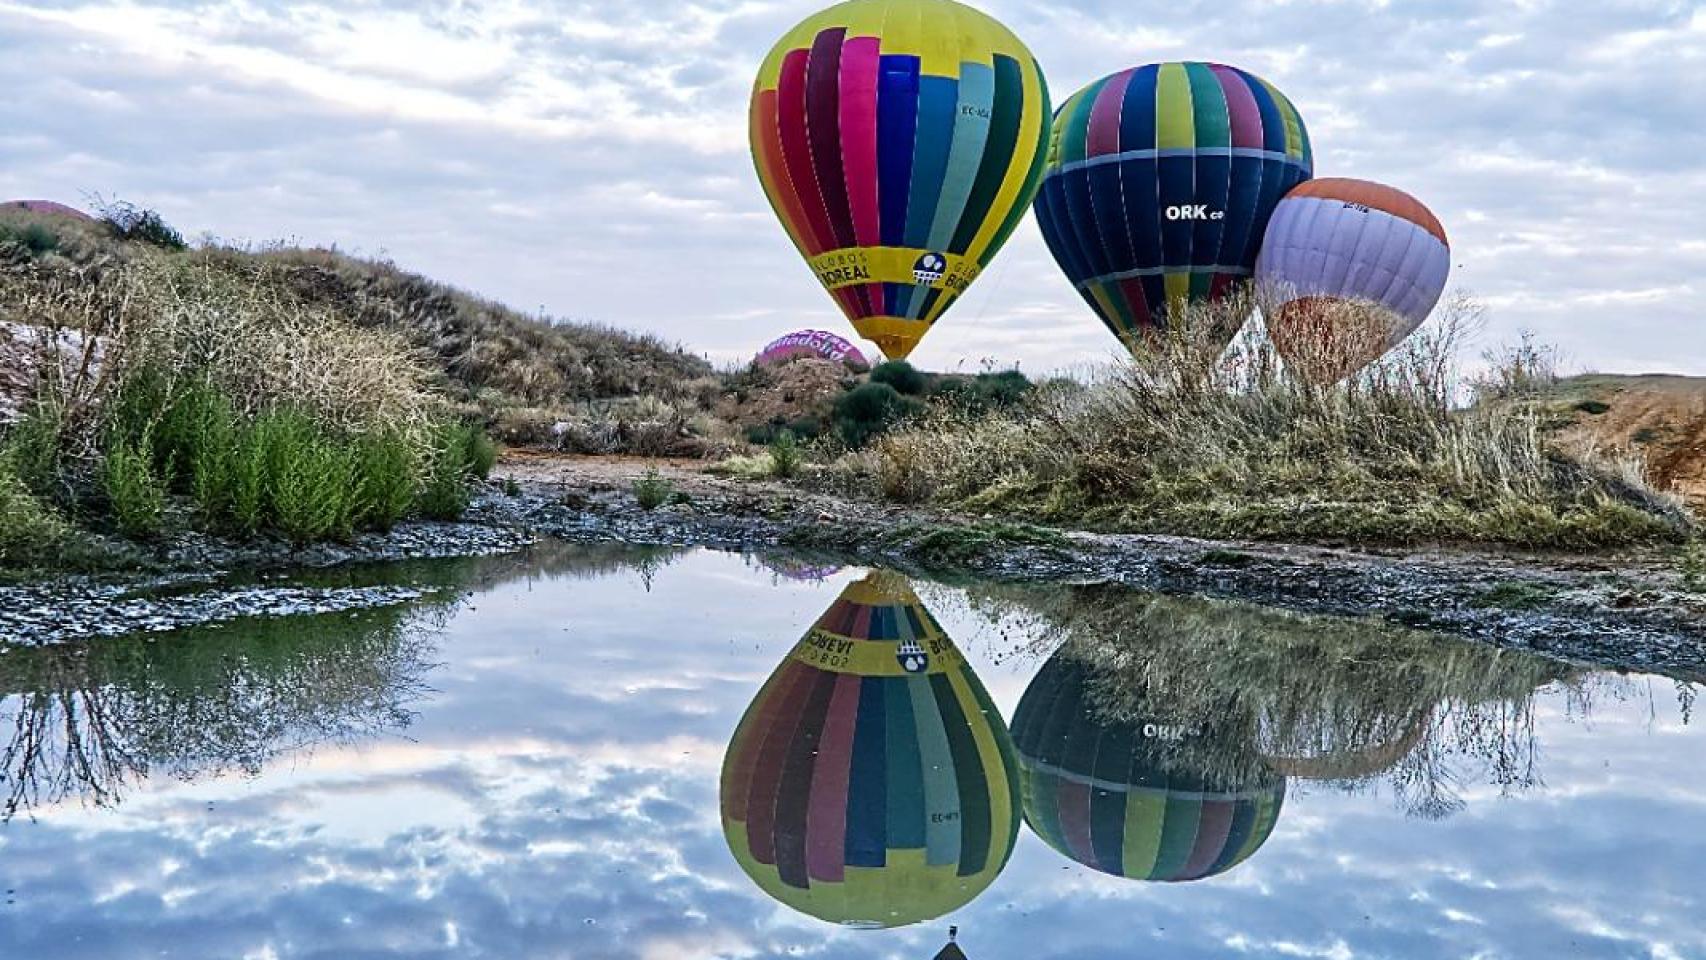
x=912, y=657
x=929, y=268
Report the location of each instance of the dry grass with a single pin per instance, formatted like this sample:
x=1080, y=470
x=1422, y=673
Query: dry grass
x=1241, y=447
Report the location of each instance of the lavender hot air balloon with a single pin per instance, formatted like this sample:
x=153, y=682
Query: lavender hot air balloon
x=1348, y=269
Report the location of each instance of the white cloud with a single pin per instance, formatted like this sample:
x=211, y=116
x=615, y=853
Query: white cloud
x=589, y=157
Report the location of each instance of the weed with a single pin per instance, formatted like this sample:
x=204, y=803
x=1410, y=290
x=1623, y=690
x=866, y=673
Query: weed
x=653, y=490
x=133, y=489
x=1694, y=565
x=785, y=456
x=385, y=479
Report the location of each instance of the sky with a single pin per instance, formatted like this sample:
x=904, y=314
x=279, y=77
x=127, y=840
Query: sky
x=589, y=159
x=554, y=794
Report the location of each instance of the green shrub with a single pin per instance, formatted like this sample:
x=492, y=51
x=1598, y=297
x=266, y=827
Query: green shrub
x=653, y=490
x=34, y=239
x=902, y=376
x=983, y=391
x=785, y=455
x=244, y=484
x=309, y=478
x=134, y=491
x=385, y=479
x=29, y=529
x=444, y=492
x=132, y=223
x=480, y=452
x=32, y=451
x=870, y=409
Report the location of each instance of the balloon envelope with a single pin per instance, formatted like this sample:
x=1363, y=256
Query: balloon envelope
x=1158, y=186
x=1133, y=798
x=899, y=142
x=871, y=782
x=50, y=208
x=1348, y=269
x=812, y=343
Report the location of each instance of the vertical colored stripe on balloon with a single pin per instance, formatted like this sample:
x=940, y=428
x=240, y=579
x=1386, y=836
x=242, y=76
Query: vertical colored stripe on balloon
x=1102, y=137
x=794, y=792
x=937, y=100
x=1005, y=142
x=860, y=57
x=772, y=756
x=1243, y=820
x=823, y=129
x=1175, y=120
x=826, y=824
x=1139, y=185
x=1074, y=800
x=998, y=762
x=971, y=783
x=796, y=145
x=1178, y=835
x=1145, y=816
x=868, y=779
x=897, y=126
x=1239, y=243
x=1033, y=140
x=744, y=746
x=972, y=118
x=1212, y=829
x=906, y=810
x=774, y=168
x=1175, y=137
x=941, y=792
x=1075, y=183
x=1213, y=166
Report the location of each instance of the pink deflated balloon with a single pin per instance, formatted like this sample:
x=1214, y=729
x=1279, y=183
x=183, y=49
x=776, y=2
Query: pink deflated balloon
x=812, y=343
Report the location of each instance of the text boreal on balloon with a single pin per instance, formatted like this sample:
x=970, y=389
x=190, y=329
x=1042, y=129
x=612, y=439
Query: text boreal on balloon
x=1159, y=184
x=899, y=142
x=871, y=781
x=1348, y=269
x=1161, y=799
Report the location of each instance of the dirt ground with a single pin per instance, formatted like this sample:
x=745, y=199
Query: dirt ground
x=1661, y=419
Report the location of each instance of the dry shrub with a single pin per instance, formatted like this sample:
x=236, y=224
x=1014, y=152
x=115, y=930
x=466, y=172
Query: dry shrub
x=179, y=318
x=1240, y=446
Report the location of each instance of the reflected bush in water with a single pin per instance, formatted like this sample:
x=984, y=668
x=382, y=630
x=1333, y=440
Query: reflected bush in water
x=92, y=718
x=1323, y=699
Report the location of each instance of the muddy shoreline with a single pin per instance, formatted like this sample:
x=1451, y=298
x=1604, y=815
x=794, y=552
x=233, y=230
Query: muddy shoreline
x=1629, y=611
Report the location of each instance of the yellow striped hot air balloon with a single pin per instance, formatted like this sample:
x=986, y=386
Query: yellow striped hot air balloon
x=899, y=142
x=871, y=781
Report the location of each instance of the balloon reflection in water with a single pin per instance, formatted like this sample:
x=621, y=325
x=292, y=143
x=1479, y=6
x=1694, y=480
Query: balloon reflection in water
x=1149, y=800
x=871, y=781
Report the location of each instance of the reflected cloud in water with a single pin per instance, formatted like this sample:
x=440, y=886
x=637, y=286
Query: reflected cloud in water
x=532, y=768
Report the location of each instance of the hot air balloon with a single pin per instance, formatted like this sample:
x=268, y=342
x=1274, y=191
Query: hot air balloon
x=871, y=782
x=1348, y=269
x=899, y=142
x=1158, y=186
x=1163, y=799
x=812, y=343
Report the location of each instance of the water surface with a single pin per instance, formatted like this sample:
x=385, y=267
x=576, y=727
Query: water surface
x=530, y=762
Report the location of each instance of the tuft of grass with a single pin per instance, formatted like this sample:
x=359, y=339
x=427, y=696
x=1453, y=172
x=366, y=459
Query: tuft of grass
x=310, y=479
x=785, y=456
x=133, y=489
x=653, y=490
x=1242, y=447
x=1515, y=595
x=385, y=479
